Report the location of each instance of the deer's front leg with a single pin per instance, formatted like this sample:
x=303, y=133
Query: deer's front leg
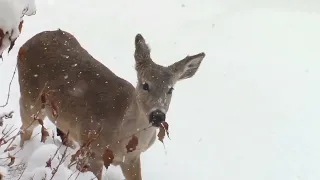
x=131, y=169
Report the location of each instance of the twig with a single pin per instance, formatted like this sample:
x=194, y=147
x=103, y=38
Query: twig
x=26, y=143
x=10, y=133
x=129, y=136
x=60, y=162
x=77, y=176
x=22, y=173
x=5, y=134
x=57, y=151
x=41, y=92
x=53, y=139
x=71, y=174
x=8, y=96
x=14, y=137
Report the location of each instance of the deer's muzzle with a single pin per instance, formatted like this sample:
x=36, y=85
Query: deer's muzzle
x=157, y=117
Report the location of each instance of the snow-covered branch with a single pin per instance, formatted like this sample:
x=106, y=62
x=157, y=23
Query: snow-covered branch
x=11, y=20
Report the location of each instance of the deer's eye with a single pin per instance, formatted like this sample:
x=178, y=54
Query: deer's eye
x=145, y=86
x=170, y=90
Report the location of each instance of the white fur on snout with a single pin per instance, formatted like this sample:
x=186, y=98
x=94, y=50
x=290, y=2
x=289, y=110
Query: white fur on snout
x=158, y=108
x=162, y=102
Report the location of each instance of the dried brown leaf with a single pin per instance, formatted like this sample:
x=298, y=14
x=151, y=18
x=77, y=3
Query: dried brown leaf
x=164, y=129
x=44, y=134
x=49, y=162
x=132, y=144
x=12, y=160
x=20, y=26
x=107, y=157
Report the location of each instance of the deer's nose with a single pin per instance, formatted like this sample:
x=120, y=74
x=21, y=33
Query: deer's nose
x=157, y=117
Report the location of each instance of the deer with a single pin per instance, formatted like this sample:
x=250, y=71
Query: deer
x=90, y=96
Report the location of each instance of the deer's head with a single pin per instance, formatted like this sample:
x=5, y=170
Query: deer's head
x=156, y=83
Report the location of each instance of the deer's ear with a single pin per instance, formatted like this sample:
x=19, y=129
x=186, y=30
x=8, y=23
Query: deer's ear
x=187, y=67
x=142, y=51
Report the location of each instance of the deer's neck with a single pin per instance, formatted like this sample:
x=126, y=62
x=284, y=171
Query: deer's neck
x=135, y=119
x=137, y=123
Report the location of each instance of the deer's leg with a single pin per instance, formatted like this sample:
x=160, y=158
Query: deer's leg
x=27, y=111
x=131, y=169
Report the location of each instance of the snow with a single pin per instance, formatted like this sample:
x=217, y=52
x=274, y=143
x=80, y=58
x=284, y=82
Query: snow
x=251, y=111
x=11, y=14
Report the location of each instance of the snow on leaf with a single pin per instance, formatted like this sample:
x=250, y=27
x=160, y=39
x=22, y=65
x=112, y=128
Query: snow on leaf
x=5, y=116
x=11, y=21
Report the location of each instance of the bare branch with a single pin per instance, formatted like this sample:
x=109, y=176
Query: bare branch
x=8, y=96
x=63, y=158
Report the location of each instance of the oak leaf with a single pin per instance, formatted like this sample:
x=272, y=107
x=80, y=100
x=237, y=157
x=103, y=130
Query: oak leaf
x=132, y=144
x=48, y=163
x=164, y=129
x=20, y=26
x=107, y=157
x=44, y=134
x=12, y=160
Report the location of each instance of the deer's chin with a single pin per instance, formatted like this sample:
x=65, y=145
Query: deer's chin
x=156, y=125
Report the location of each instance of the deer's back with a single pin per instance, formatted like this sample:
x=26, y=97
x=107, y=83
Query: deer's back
x=87, y=93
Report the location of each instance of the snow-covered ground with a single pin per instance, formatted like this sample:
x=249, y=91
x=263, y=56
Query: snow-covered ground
x=251, y=111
